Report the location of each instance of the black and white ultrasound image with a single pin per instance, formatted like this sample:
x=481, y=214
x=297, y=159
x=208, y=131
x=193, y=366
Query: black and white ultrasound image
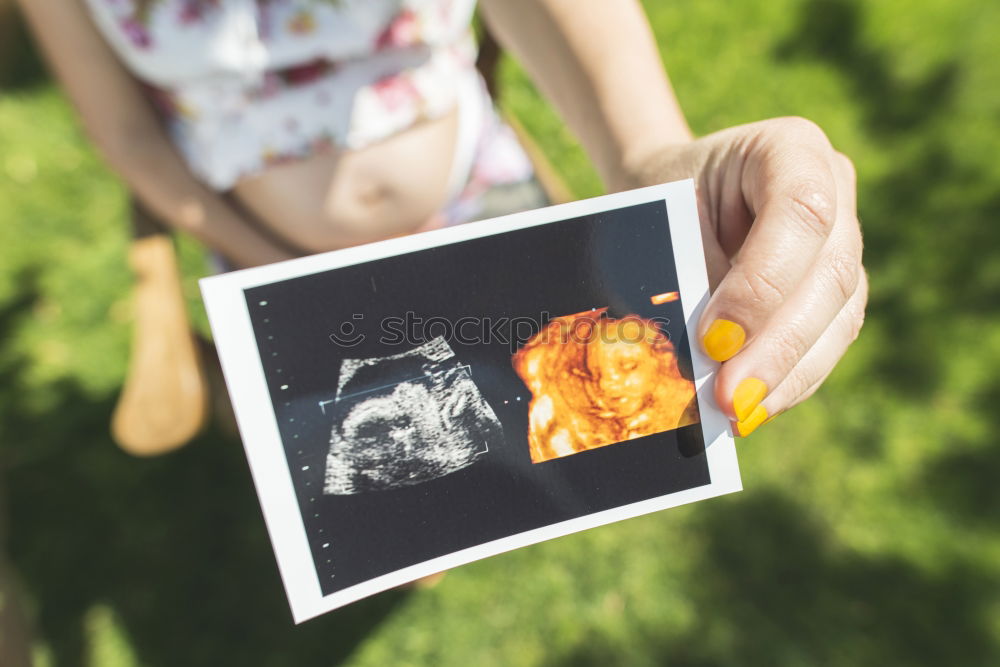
x=405, y=419
x=403, y=451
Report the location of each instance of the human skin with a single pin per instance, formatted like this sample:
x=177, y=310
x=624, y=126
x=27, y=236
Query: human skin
x=777, y=202
x=783, y=247
x=330, y=201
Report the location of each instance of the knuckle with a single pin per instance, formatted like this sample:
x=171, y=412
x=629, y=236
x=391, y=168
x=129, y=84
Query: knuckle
x=814, y=206
x=846, y=166
x=802, y=129
x=857, y=322
x=856, y=317
x=763, y=288
x=862, y=287
x=800, y=383
x=851, y=318
x=844, y=269
x=788, y=348
x=808, y=392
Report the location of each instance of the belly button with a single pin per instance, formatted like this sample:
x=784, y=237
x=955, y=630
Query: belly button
x=372, y=194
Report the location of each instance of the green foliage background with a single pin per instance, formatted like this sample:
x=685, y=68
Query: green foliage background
x=868, y=531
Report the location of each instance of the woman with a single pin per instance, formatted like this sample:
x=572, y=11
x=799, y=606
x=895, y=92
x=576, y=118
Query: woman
x=402, y=141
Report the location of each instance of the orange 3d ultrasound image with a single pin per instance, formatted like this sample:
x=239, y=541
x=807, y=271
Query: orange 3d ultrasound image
x=596, y=381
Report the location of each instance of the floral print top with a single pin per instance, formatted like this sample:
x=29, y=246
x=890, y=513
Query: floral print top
x=244, y=84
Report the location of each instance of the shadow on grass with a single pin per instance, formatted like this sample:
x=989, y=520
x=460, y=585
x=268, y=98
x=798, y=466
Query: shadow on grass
x=20, y=64
x=964, y=480
x=964, y=484
x=174, y=546
x=774, y=590
x=177, y=549
x=931, y=238
x=829, y=30
x=931, y=248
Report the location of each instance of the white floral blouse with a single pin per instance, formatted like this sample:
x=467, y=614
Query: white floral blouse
x=244, y=84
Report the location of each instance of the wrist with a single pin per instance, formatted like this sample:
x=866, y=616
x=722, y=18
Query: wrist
x=650, y=163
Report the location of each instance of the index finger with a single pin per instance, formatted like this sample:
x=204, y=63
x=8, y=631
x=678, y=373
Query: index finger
x=789, y=187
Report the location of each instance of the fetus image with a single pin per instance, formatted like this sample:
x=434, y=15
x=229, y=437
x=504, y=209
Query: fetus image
x=406, y=419
x=596, y=381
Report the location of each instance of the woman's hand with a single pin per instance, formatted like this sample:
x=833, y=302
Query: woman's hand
x=777, y=201
x=783, y=245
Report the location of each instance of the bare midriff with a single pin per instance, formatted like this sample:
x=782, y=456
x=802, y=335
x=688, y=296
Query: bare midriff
x=335, y=200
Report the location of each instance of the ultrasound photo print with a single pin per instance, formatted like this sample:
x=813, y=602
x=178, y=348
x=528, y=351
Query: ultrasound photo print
x=404, y=419
x=572, y=397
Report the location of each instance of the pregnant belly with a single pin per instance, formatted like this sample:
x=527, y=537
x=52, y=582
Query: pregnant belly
x=340, y=199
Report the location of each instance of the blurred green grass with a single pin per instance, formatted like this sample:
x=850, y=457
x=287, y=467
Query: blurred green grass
x=868, y=533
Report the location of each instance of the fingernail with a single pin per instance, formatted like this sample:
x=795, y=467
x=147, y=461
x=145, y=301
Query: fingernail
x=723, y=339
x=750, y=424
x=748, y=395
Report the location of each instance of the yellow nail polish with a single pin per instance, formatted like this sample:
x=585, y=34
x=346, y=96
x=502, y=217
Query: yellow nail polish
x=750, y=424
x=723, y=339
x=748, y=395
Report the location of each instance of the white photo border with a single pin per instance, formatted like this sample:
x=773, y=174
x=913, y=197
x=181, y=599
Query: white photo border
x=225, y=303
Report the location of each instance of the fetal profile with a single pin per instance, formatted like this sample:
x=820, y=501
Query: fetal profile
x=596, y=380
x=405, y=419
